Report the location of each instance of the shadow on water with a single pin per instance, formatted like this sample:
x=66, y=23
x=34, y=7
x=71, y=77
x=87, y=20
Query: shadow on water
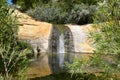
x=54, y=61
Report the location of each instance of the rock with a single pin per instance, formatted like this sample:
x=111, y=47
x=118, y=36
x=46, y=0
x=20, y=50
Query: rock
x=37, y=34
x=82, y=43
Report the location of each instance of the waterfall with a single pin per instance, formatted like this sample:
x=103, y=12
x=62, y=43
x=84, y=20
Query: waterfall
x=61, y=50
x=61, y=46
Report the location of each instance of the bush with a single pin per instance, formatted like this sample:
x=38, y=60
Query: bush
x=54, y=13
x=49, y=13
x=13, y=56
x=106, y=57
x=81, y=14
x=69, y=4
x=28, y=4
x=107, y=38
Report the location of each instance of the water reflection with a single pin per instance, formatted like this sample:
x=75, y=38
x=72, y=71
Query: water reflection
x=48, y=63
x=56, y=63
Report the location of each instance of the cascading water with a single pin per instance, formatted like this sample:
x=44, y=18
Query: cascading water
x=61, y=47
x=61, y=50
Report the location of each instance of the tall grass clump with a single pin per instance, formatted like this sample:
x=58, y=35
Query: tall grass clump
x=13, y=56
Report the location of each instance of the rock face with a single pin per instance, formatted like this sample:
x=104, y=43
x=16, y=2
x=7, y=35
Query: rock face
x=37, y=34
x=81, y=42
x=45, y=38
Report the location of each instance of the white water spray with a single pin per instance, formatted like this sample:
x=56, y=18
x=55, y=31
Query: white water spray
x=61, y=50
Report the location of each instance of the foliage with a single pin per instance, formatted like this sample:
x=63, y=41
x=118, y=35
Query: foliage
x=13, y=56
x=81, y=14
x=67, y=76
x=106, y=57
x=106, y=37
x=70, y=3
x=66, y=4
x=49, y=13
x=60, y=11
x=54, y=13
x=28, y=4
x=11, y=77
x=89, y=2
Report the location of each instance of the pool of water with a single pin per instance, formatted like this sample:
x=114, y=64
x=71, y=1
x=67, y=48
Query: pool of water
x=69, y=76
x=48, y=63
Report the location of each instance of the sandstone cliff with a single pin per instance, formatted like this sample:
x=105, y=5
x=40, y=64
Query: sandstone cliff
x=39, y=35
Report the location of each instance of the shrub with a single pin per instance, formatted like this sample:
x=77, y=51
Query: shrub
x=107, y=39
x=69, y=4
x=54, y=13
x=81, y=14
x=106, y=58
x=49, y=13
x=13, y=56
x=28, y=4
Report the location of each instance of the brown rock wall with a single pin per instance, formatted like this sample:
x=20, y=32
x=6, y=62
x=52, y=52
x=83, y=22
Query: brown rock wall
x=37, y=34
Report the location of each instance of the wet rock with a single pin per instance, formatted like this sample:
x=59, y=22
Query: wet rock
x=82, y=43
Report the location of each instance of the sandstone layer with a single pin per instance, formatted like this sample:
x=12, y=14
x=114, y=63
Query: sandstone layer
x=81, y=41
x=38, y=34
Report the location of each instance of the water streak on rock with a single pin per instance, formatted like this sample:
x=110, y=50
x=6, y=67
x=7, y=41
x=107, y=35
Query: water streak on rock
x=61, y=50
